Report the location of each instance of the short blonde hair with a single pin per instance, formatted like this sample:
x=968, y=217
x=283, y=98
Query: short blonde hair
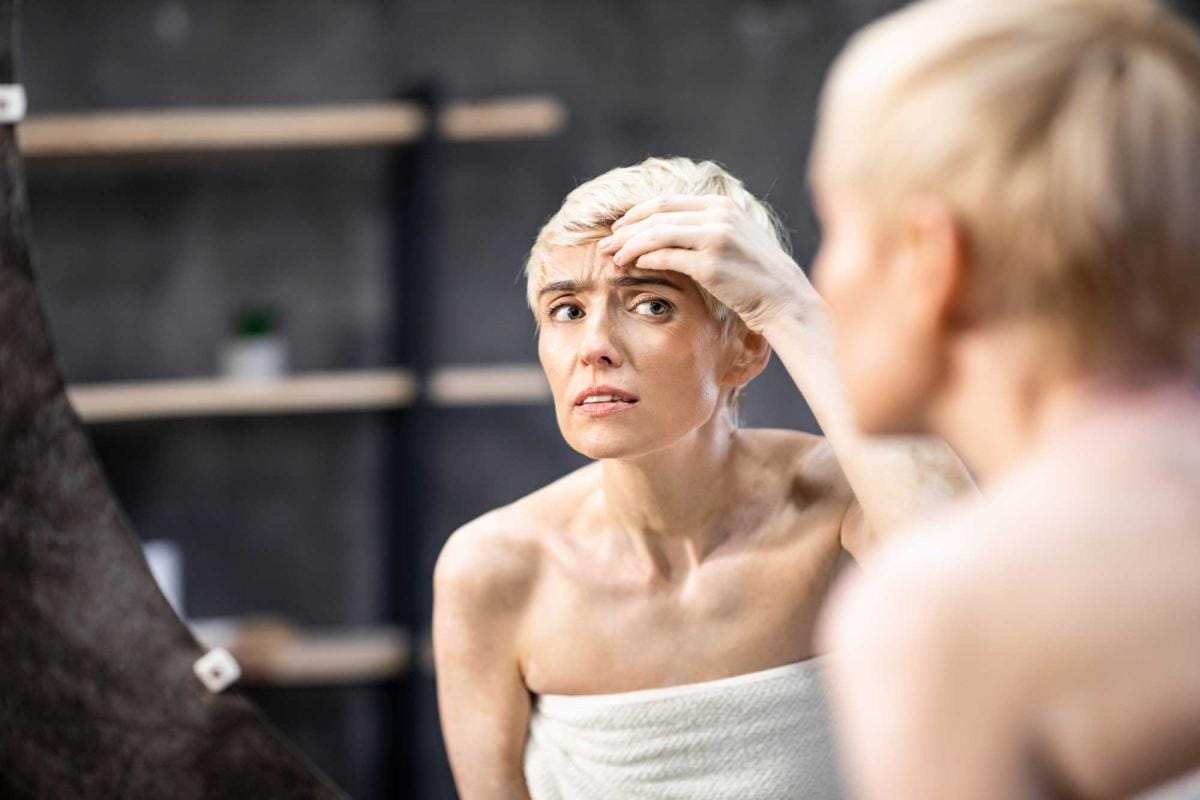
x=589, y=211
x=1064, y=135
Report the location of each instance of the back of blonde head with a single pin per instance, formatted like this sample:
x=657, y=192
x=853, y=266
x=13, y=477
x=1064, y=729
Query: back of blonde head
x=589, y=211
x=1065, y=137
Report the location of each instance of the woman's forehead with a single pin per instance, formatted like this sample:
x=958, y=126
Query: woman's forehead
x=586, y=266
x=578, y=262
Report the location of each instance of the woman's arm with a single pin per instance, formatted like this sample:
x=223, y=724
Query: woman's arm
x=713, y=241
x=479, y=598
x=895, y=479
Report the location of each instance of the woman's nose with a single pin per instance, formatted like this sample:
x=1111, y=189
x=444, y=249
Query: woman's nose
x=599, y=348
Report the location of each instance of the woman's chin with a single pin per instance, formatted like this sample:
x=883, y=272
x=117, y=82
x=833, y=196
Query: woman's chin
x=610, y=450
x=626, y=437
x=612, y=446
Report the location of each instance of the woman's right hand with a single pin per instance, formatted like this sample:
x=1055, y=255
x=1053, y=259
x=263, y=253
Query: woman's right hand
x=716, y=243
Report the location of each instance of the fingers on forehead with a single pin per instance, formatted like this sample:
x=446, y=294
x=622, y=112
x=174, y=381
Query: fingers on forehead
x=667, y=202
x=670, y=218
x=667, y=259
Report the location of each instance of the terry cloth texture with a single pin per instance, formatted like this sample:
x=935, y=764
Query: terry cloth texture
x=759, y=736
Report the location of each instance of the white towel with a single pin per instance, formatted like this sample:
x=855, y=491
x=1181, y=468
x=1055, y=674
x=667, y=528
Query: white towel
x=759, y=736
x=1185, y=788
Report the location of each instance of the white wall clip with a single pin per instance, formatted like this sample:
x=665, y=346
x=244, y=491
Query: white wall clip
x=12, y=103
x=217, y=670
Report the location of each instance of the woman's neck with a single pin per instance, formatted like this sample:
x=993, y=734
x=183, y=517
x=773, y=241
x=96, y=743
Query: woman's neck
x=1002, y=404
x=674, y=504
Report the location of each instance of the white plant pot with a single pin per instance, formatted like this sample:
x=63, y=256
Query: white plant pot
x=254, y=358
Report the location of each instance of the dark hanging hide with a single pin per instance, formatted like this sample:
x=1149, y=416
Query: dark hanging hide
x=97, y=693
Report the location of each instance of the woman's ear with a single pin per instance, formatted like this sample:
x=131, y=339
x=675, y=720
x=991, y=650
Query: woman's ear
x=935, y=278
x=751, y=352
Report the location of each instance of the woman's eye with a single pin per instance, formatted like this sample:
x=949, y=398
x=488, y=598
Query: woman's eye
x=653, y=308
x=566, y=313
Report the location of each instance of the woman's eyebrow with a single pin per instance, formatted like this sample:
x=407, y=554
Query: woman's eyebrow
x=620, y=282
x=644, y=280
x=570, y=287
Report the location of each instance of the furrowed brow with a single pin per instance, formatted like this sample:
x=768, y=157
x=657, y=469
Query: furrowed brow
x=566, y=287
x=644, y=280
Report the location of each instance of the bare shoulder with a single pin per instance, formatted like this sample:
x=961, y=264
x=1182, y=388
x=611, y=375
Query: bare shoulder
x=806, y=459
x=487, y=557
x=1046, y=551
x=785, y=442
x=1051, y=618
x=916, y=584
x=494, y=560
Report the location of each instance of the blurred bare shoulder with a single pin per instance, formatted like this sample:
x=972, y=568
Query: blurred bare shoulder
x=1060, y=606
x=917, y=584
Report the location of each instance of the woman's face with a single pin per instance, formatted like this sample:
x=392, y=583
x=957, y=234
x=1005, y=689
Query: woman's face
x=886, y=342
x=634, y=359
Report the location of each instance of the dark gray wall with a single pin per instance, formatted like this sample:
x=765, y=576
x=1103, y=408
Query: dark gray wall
x=143, y=263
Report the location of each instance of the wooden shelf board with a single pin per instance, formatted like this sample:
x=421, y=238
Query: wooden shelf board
x=113, y=402
x=334, y=657
x=276, y=653
x=503, y=118
x=259, y=128
x=307, y=393
x=501, y=384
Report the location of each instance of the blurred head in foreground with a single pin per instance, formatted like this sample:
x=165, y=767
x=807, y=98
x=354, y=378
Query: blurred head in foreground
x=1025, y=171
x=668, y=358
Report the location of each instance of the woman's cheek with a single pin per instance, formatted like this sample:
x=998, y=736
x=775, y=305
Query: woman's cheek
x=555, y=356
x=836, y=277
x=698, y=379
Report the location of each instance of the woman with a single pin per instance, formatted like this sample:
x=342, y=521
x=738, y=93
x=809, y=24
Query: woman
x=1022, y=278
x=644, y=626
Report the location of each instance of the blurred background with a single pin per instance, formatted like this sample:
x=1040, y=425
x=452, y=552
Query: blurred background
x=301, y=342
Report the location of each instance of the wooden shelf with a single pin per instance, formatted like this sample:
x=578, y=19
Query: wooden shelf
x=492, y=385
x=272, y=652
x=530, y=117
x=308, y=393
x=260, y=128
x=114, y=402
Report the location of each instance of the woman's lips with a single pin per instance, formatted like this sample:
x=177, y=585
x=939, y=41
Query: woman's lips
x=604, y=408
x=601, y=401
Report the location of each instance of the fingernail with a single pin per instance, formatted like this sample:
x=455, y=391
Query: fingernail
x=604, y=243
